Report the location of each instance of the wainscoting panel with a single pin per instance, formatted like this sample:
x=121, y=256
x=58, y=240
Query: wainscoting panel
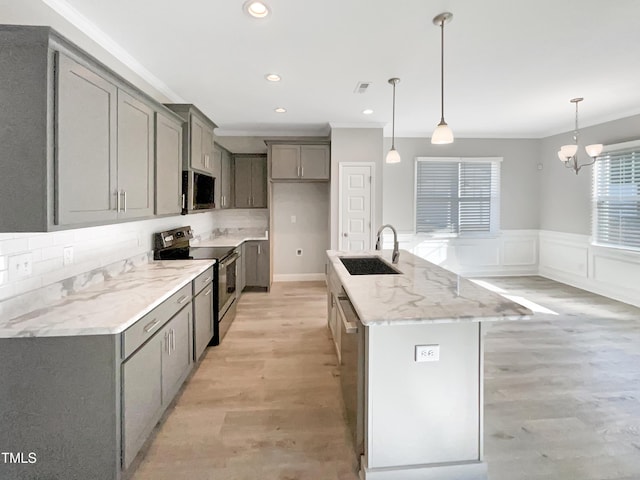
x=572, y=259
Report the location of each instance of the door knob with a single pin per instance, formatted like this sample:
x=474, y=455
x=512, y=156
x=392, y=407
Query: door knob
x=345, y=234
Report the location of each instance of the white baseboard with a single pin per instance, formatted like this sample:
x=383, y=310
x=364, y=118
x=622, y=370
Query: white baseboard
x=298, y=277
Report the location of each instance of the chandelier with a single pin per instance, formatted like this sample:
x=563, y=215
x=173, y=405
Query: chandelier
x=568, y=154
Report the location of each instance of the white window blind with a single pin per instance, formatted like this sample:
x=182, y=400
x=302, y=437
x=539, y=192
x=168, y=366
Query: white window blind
x=616, y=193
x=457, y=195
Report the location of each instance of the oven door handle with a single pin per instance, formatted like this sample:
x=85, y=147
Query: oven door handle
x=230, y=259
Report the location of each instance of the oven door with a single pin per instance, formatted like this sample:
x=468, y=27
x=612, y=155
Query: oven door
x=227, y=273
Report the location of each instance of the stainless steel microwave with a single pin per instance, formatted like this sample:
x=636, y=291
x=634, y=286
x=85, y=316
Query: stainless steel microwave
x=198, y=190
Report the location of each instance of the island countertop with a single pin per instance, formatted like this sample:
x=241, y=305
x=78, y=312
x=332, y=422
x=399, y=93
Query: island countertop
x=108, y=307
x=422, y=292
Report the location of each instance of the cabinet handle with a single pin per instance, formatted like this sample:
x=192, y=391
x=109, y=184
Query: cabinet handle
x=166, y=342
x=208, y=292
x=298, y=170
x=182, y=299
x=302, y=171
x=124, y=196
x=151, y=325
x=173, y=340
x=208, y=279
x=184, y=201
x=117, y=200
x=222, y=200
x=259, y=249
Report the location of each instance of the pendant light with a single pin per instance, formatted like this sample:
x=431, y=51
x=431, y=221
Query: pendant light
x=442, y=134
x=393, y=156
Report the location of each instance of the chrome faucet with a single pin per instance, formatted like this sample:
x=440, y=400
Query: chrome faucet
x=396, y=253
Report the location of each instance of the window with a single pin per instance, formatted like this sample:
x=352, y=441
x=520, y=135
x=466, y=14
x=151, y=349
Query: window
x=457, y=195
x=616, y=197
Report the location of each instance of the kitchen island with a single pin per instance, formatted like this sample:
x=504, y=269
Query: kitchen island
x=411, y=351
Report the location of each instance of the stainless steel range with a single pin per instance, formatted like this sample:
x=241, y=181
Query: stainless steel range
x=174, y=245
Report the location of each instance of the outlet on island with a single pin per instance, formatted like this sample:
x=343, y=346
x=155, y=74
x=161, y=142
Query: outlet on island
x=299, y=252
x=427, y=353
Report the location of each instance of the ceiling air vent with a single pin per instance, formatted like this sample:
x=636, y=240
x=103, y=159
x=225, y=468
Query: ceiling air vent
x=361, y=87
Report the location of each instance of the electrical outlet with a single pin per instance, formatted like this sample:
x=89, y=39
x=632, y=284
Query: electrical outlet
x=427, y=353
x=67, y=256
x=299, y=252
x=21, y=266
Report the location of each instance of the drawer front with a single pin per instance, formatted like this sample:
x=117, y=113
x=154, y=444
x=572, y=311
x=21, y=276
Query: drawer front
x=147, y=326
x=203, y=280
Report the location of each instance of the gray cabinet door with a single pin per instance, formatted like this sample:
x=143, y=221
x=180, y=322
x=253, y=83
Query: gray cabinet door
x=86, y=116
x=242, y=183
x=257, y=263
x=207, y=149
x=259, y=182
x=314, y=162
x=225, y=183
x=241, y=271
x=142, y=396
x=202, y=320
x=285, y=162
x=216, y=171
x=197, y=131
x=135, y=157
x=176, y=353
x=168, y=165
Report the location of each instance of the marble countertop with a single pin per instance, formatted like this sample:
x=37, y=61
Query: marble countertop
x=108, y=307
x=231, y=240
x=423, y=292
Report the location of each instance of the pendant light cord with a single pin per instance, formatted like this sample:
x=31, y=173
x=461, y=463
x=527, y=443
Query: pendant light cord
x=442, y=72
x=393, y=119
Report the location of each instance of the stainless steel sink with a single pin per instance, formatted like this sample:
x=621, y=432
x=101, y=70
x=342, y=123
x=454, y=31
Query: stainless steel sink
x=367, y=266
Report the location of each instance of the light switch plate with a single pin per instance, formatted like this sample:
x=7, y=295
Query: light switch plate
x=427, y=353
x=20, y=266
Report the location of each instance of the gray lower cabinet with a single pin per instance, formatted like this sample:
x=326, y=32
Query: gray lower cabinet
x=176, y=353
x=256, y=260
x=168, y=148
x=203, y=320
x=142, y=397
x=250, y=181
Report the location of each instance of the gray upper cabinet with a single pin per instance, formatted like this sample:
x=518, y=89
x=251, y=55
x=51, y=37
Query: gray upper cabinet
x=250, y=181
x=197, y=152
x=168, y=164
x=135, y=157
x=78, y=140
x=225, y=180
x=86, y=160
x=300, y=162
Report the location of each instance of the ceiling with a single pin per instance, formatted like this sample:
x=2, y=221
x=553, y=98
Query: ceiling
x=511, y=67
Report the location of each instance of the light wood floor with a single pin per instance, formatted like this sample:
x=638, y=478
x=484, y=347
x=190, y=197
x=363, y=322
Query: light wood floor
x=562, y=394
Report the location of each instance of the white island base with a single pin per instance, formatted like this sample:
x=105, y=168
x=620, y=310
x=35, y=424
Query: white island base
x=423, y=420
x=411, y=350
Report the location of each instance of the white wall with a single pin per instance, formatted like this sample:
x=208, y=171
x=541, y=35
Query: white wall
x=355, y=145
x=309, y=204
x=519, y=178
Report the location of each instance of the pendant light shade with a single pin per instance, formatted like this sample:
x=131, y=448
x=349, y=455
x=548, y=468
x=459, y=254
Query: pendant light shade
x=442, y=135
x=393, y=156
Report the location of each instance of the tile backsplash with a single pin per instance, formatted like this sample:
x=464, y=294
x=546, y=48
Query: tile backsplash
x=34, y=266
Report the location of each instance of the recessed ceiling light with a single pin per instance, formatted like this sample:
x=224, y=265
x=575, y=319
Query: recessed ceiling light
x=367, y=111
x=256, y=9
x=280, y=110
x=272, y=77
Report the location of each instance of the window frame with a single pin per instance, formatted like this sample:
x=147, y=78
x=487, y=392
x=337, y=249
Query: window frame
x=608, y=149
x=495, y=208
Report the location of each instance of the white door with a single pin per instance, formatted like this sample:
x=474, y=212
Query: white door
x=355, y=207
